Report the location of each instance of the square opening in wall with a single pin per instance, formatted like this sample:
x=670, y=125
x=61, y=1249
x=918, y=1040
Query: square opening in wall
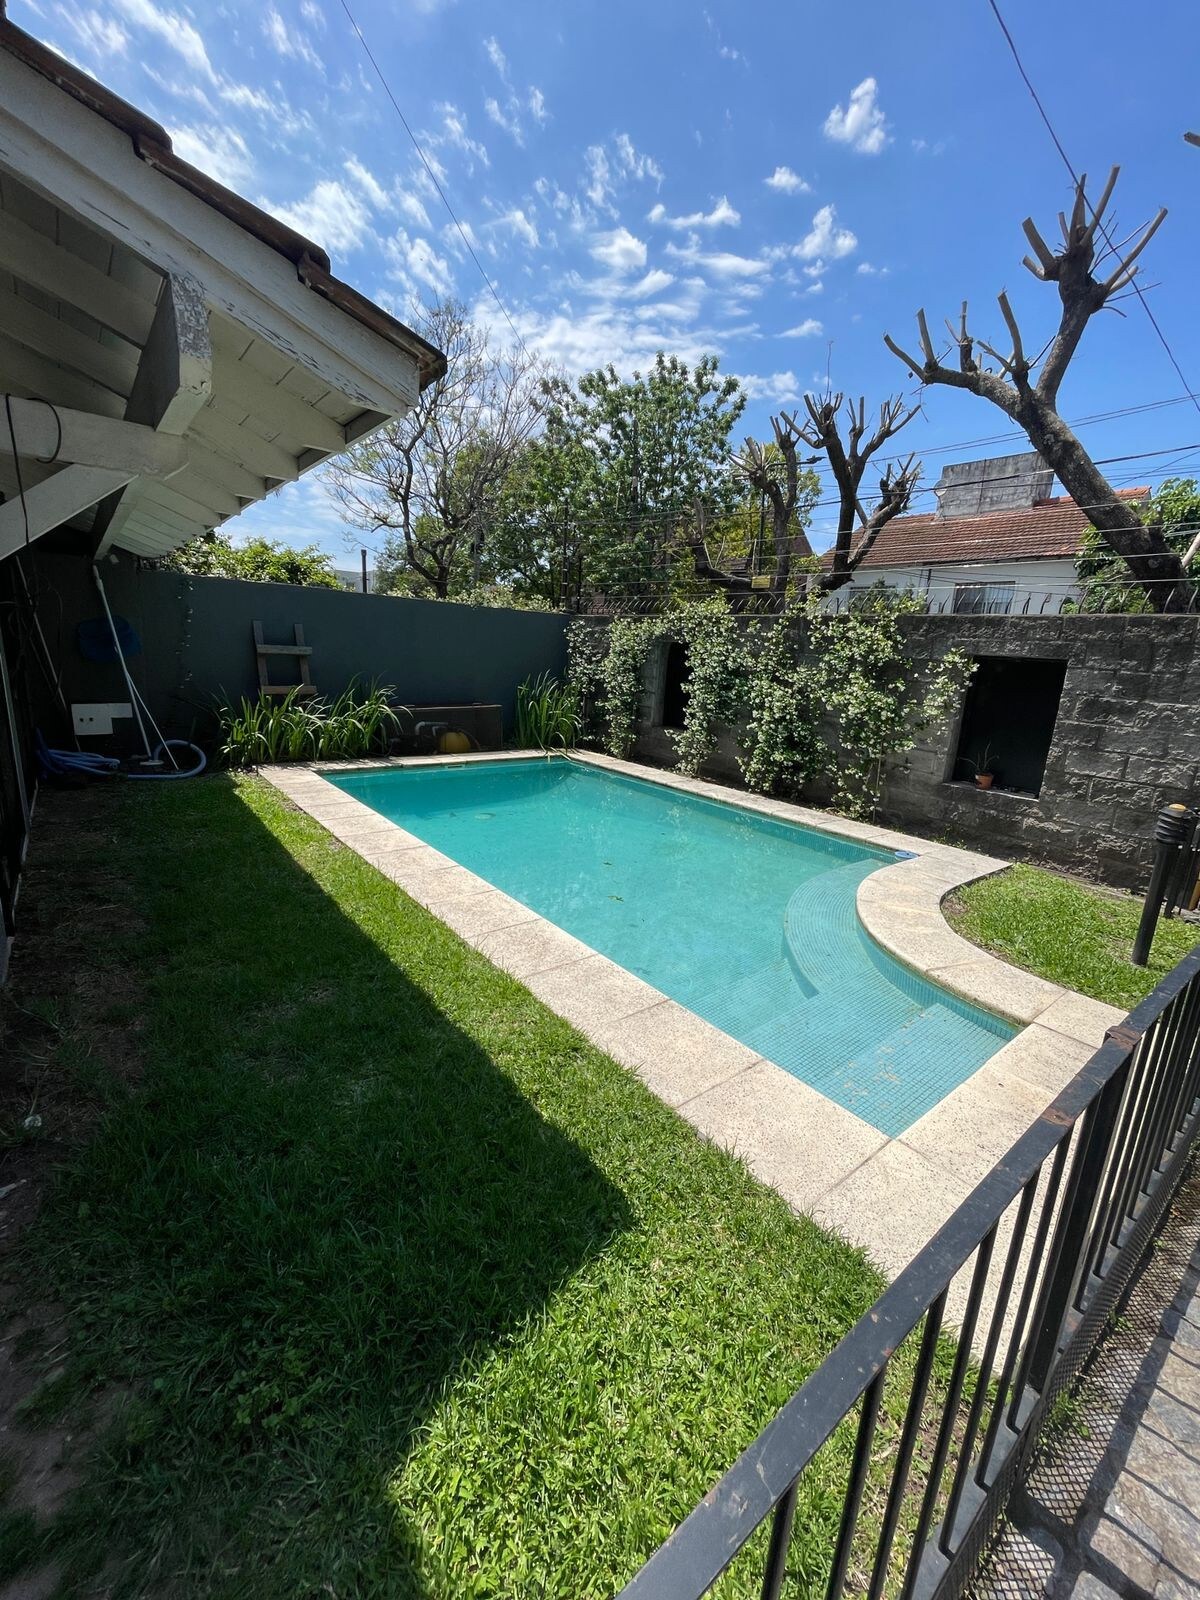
x=1008, y=722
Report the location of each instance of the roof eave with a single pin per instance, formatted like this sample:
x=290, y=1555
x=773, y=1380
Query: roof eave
x=152, y=144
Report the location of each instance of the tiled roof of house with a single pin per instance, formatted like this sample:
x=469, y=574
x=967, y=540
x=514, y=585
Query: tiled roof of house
x=1040, y=532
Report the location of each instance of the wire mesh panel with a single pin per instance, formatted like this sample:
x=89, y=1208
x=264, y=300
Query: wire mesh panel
x=922, y=1431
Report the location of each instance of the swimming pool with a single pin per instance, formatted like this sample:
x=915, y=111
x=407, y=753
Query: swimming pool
x=748, y=921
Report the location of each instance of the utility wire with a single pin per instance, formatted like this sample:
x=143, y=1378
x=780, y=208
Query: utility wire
x=1058, y=145
x=433, y=177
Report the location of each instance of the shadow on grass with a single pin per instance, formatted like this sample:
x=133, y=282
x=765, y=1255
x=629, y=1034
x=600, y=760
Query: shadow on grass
x=323, y=1207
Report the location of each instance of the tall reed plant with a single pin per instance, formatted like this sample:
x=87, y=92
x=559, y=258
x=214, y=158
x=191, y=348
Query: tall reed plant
x=293, y=727
x=548, y=714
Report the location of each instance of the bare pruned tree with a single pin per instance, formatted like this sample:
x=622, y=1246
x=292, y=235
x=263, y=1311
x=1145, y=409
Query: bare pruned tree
x=777, y=477
x=1026, y=389
x=430, y=477
x=848, y=461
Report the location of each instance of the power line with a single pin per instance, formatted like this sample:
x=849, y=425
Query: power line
x=433, y=177
x=1162, y=338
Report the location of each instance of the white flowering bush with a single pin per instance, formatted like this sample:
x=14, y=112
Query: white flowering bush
x=783, y=748
x=808, y=675
x=878, y=701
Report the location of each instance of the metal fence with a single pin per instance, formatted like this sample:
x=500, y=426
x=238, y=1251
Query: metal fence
x=1044, y=1248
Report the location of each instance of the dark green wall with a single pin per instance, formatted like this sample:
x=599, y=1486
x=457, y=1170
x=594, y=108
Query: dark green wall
x=197, y=643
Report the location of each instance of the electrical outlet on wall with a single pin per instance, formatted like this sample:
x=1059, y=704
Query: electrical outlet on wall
x=97, y=718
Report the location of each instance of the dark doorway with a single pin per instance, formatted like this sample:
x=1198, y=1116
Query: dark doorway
x=1008, y=721
x=674, y=685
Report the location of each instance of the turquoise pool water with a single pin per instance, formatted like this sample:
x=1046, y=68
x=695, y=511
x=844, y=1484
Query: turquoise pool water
x=747, y=921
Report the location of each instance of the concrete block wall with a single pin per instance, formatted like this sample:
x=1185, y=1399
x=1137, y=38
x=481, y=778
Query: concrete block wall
x=1126, y=742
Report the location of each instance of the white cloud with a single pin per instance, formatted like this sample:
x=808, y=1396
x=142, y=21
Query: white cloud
x=810, y=328
x=628, y=337
x=173, y=30
x=866, y=270
x=654, y=281
x=102, y=36
x=289, y=42
x=368, y=183
x=860, y=124
x=496, y=56
x=635, y=164
x=331, y=214
x=619, y=250
x=785, y=181
x=416, y=263
x=312, y=13
x=219, y=151
x=825, y=239
x=454, y=133
x=410, y=205
x=599, y=175
x=510, y=124
x=722, y=214
x=721, y=263
x=775, y=386
x=537, y=106
x=520, y=226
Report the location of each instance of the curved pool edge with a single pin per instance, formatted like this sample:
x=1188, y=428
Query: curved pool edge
x=887, y=1194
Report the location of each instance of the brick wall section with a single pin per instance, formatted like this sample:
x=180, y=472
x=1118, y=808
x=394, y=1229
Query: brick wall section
x=1126, y=742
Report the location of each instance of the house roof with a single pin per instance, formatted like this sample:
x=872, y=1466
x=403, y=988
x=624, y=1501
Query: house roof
x=1045, y=531
x=152, y=143
x=140, y=298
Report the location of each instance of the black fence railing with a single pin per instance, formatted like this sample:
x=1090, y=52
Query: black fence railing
x=1030, y=1268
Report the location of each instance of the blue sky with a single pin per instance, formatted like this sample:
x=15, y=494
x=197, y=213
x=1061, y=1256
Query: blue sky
x=776, y=184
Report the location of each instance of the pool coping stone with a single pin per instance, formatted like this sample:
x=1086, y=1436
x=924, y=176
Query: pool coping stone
x=886, y=1194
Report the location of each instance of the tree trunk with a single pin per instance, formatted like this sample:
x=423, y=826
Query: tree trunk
x=1157, y=569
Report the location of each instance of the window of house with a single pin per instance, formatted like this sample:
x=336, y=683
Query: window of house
x=984, y=599
x=674, y=700
x=1008, y=721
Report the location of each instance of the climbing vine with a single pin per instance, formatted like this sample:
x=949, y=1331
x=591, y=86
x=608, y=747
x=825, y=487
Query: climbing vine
x=876, y=698
x=783, y=747
x=715, y=685
x=836, y=693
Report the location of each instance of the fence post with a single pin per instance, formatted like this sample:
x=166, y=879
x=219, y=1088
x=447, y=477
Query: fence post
x=1171, y=832
x=1067, y=1249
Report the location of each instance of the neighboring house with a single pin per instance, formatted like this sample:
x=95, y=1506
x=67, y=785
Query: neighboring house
x=998, y=542
x=169, y=354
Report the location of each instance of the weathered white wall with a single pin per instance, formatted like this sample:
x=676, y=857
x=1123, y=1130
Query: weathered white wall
x=1040, y=586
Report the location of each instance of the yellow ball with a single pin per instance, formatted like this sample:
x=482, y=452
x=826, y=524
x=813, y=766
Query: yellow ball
x=453, y=743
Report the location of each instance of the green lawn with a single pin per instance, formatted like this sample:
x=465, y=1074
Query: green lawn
x=410, y=1291
x=1068, y=932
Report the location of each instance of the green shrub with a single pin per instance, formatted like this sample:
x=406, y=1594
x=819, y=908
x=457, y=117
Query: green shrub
x=547, y=714
x=292, y=728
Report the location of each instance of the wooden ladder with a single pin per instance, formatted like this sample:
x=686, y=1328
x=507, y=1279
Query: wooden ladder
x=299, y=652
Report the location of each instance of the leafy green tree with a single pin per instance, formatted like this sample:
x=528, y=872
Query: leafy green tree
x=214, y=555
x=635, y=455
x=1174, y=512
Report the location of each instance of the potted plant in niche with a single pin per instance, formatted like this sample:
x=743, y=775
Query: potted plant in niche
x=983, y=769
